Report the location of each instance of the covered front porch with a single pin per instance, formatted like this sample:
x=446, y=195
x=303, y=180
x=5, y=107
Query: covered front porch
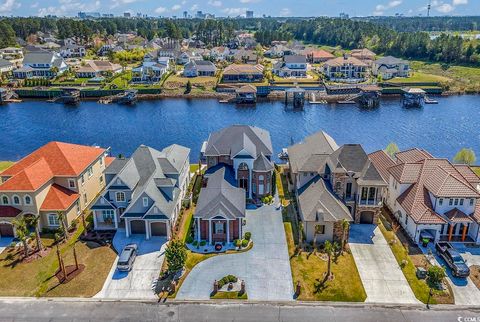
x=459, y=227
x=217, y=229
x=106, y=219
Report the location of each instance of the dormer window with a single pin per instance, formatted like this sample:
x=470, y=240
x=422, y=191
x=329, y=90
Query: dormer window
x=450, y=202
x=472, y=201
x=145, y=201
x=440, y=201
x=28, y=200
x=461, y=202
x=120, y=196
x=456, y=202
x=16, y=200
x=5, y=200
x=71, y=183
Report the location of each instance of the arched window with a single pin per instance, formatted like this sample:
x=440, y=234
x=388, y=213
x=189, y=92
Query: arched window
x=261, y=177
x=16, y=200
x=28, y=200
x=338, y=185
x=243, y=166
x=5, y=200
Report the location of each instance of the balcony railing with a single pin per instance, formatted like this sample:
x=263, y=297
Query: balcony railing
x=370, y=202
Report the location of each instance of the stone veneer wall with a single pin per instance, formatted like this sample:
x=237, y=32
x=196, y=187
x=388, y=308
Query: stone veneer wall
x=376, y=212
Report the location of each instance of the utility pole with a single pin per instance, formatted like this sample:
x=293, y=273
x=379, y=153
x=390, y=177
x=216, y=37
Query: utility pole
x=429, y=7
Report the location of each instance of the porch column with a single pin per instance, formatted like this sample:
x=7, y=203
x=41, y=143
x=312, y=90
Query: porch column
x=127, y=227
x=250, y=179
x=450, y=232
x=228, y=231
x=95, y=219
x=239, y=228
x=116, y=218
x=169, y=230
x=198, y=230
x=209, y=231
x=464, y=232
x=147, y=229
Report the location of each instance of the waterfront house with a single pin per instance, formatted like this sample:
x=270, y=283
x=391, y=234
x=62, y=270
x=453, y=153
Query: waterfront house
x=333, y=183
x=13, y=55
x=345, y=69
x=243, y=73
x=291, y=66
x=243, y=56
x=318, y=56
x=248, y=151
x=220, y=208
x=152, y=71
x=246, y=94
x=221, y=53
x=5, y=67
x=41, y=64
x=431, y=198
x=389, y=67
x=365, y=55
x=58, y=177
x=72, y=51
x=144, y=193
x=278, y=51
x=98, y=68
x=199, y=68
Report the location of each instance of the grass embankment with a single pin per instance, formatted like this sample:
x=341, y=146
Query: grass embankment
x=178, y=84
x=4, y=165
x=460, y=79
x=406, y=257
x=308, y=268
x=37, y=278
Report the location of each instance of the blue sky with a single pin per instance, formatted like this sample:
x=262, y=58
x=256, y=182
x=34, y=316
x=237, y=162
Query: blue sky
x=238, y=7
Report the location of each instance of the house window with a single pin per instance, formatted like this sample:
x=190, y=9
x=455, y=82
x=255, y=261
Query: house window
x=5, y=200
x=472, y=201
x=461, y=202
x=85, y=200
x=71, y=183
x=28, y=200
x=338, y=185
x=348, y=192
x=312, y=174
x=101, y=179
x=90, y=172
x=450, y=202
x=219, y=228
x=108, y=215
x=120, y=196
x=53, y=220
x=320, y=229
x=440, y=201
x=145, y=201
x=83, y=179
x=77, y=205
x=101, y=161
x=16, y=200
x=456, y=202
x=305, y=174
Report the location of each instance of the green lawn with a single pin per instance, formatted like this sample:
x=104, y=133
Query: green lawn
x=419, y=77
x=37, y=277
x=419, y=287
x=122, y=80
x=229, y=296
x=308, y=269
x=4, y=165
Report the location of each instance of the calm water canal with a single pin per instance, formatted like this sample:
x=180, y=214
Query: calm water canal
x=442, y=129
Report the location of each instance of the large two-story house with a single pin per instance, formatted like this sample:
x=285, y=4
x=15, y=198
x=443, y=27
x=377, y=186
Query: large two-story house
x=248, y=151
x=58, y=177
x=144, y=193
x=430, y=197
x=152, y=69
x=41, y=64
x=333, y=183
x=291, y=66
x=389, y=67
x=345, y=69
x=243, y=73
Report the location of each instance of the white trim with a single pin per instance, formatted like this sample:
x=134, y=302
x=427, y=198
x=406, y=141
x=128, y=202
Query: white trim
x=25, y=200
x=72, y=181
x=119, y=193
x=19, y=203
x=8, y=200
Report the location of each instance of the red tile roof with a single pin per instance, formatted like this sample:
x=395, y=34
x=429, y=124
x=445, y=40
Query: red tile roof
x=467, y=172
x=108, y=161
x=58, y=198
x=382, y=162
x=458, y=216
x=412, y=155
x=52, y=159
x=9, y=212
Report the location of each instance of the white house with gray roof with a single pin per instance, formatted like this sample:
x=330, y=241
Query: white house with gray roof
x=291, y=66
x=389, y=67
x=333, y=183
x=248, y=151
x=144, y=193
x=41, y=64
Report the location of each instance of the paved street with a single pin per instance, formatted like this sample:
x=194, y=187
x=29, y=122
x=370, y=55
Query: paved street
x=39, y=310
x=136, y=284
x=265, y=268
x=381, y=276
x=464, y=290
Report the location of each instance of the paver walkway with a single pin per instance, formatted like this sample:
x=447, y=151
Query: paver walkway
x=265, y=268
x=381, y=276
x=136, y=284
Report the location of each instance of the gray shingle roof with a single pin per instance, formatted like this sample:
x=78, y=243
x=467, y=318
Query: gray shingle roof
x=5, y=63
x=317, y=203
x=219, y=197
x=262, y=164
x=295, y=59
x=390, y=60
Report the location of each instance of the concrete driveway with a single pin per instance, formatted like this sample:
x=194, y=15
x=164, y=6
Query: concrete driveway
x=381, y=276
x=464, y=290
x=136, y=284
x=5, y=242
x=265, y=268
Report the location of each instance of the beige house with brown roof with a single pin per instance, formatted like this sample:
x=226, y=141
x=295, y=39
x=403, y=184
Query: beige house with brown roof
x=345, y=69
x=97, y=68
x=56, y=177
x=431, y=197
x=243, y=73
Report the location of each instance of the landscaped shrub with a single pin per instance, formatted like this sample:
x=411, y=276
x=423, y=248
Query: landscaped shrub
x=435, y=275
x=195, y=243
x=248, y=235
x=203, y=243
x=189, y=239
x=267, y=200
x=237, y=242
x=244, y=243
x=227, y=279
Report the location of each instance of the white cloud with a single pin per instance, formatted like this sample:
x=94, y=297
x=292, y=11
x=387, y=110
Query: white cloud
x=249, y=1
x=161, y=10
x=215, y=3
x=285, y=12
x=459, y=2
x=176, y=7
x=234, y=11
x=68, y=7
x=381, y=8
x=34, y=5
x=445, y=8
x=194, y=7
x=9, y=6
x=118, y=3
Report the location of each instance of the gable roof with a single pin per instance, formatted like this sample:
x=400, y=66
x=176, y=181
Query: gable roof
x=310, y=154
x=390, y=60
x=50, y=160
x=58, y=198
x=220, y=197
x=382, y=162
x=340, y=61
x=317, y=203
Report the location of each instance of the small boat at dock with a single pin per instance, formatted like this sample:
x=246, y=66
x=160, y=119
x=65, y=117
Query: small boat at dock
x=128, y=97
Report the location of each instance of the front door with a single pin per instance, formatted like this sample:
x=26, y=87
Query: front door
x=260, y=189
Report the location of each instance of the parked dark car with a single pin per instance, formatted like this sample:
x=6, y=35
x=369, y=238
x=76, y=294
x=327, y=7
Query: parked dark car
x=453, y=259
x=127, y=257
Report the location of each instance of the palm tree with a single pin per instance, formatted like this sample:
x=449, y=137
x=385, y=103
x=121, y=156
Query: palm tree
x=345, y=227
x=22, y=233
x=34, y=221
x=63, y=225
x=84, y=212
x=329, y=250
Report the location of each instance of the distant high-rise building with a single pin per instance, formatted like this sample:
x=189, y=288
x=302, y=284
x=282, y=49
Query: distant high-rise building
x=249, y=14
x=185, y=14
x=86, y=15
x=200, y=15
x=127, y=15
x=344, y=15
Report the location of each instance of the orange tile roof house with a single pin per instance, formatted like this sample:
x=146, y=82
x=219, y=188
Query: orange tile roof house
x=431, y=197
x=56, y=177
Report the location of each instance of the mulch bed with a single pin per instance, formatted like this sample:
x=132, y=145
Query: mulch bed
x=475, y=275
x=72, y=272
